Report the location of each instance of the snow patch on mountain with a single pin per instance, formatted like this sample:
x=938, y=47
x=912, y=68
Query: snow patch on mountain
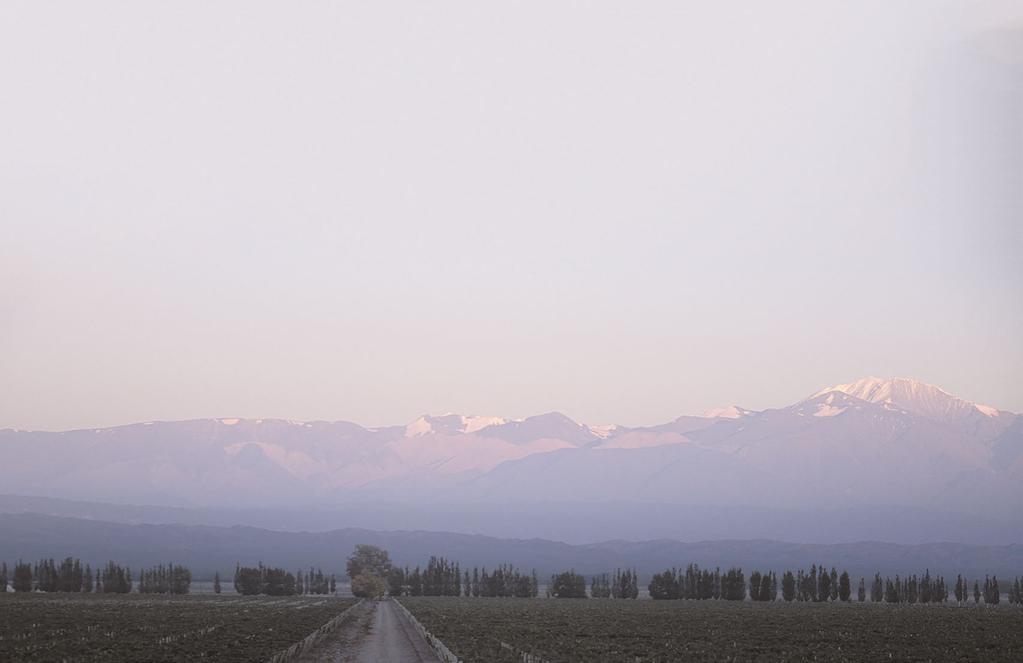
x=420, y=426
x=474, y=423
x=827, y=409
x=451, y=424
x=987, y=410
x=829, y=404
x=729, y=412
x=603, y=431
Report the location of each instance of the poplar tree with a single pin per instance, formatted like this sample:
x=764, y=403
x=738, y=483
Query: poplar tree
x=733, y=585
x=844, y=589
x=823, y=587
x=22, y=579
x=416, y=582
x=788, y=586
x=396, y=582
x=876, y=589
x=992, y=595
x=754, y=586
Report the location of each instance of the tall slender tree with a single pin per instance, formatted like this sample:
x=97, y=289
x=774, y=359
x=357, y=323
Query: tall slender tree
x=788, y=586
x=22, y=579
x=844, y=588
x=876, y=589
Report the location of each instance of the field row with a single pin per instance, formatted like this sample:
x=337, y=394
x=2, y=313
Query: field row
x=89, y=627
x=570, y=631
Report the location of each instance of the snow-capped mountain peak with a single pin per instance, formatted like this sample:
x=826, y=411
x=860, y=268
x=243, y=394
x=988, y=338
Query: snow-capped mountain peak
x=912, y=395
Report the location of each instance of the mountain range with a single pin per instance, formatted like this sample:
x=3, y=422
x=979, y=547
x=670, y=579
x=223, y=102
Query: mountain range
x=893, y=448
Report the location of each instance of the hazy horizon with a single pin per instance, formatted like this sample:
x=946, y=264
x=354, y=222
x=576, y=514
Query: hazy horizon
x=708, y=412
x=371, y=212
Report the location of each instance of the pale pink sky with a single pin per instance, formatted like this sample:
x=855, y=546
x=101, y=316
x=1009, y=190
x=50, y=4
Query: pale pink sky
x=624, y=212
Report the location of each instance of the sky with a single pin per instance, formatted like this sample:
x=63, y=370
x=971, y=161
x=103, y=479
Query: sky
x=621, y=211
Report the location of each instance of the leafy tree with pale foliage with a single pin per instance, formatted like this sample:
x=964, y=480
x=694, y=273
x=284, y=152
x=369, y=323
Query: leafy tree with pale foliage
x=368, y=559
x=368, y=567
x=368, y=585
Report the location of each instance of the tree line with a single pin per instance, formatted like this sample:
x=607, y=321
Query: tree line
x=990, y=591
x=699, y=584
x=275, y=581
x=622, y=585
x=372, y=574
x=170, y=579
x=69, y=575
x=444, y=578
x=818, y=585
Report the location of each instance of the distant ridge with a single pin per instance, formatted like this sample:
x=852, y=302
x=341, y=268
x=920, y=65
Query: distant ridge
x=207, y=549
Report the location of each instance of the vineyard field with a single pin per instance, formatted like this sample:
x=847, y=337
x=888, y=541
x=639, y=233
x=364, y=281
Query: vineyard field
x=577, y=631
x=134, y=627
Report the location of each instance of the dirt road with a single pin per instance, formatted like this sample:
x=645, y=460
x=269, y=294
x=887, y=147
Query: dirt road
x=377, y=633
